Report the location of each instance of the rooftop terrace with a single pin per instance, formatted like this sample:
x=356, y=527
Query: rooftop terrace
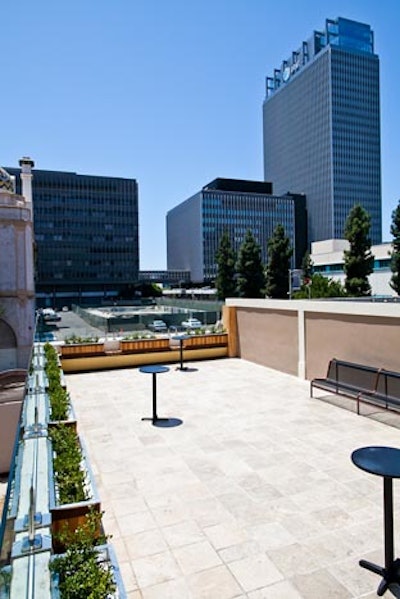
x=254, y=495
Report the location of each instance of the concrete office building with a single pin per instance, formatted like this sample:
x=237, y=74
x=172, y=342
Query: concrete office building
x=328, y=260
x=195, y=227
x=321, y=122
x=86, y=236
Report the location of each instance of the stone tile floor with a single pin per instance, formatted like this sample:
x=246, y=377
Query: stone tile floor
x=253, y=496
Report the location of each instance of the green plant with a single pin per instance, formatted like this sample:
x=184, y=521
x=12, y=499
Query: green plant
x=59, y=404
x=395, y=253
x=77, y=339
x=277, y=274
x=320, y=286
x=225, y=257
x=249, y=267
x=69, y=476
x=81, y=570
x=358, y=260
x=58, y=396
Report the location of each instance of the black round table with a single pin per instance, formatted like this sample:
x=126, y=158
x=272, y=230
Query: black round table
x=154, y=370
x=385, y=462
x=181, y=339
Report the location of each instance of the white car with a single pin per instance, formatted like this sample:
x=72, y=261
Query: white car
x=192, y=323
x=157, y=325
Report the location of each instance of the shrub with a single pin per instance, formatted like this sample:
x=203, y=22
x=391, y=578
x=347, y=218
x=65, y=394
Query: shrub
x=81, y=571
x=69, y=476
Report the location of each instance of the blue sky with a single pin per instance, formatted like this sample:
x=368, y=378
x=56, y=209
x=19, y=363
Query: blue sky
x=169, y=92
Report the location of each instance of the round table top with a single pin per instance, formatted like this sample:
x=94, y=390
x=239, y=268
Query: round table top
x=383, y=461
x=181, y=337
x=154, y=369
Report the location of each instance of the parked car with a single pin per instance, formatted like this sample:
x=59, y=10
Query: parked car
x=49, y=315
x=157, y=326
x=192, y=323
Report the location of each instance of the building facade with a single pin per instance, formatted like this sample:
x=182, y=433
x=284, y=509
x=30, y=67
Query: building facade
x=321, y=125
x=17, y=289
x=328, y=259
x=195, y=227
x=86, y=235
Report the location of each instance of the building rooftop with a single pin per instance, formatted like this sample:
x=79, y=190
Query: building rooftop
x=239, y=185
x=251, y=495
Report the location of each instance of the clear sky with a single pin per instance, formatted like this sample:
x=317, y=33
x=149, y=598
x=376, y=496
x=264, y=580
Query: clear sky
x=168, y=92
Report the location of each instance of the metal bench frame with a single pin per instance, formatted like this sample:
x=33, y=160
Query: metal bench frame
x=365, y=384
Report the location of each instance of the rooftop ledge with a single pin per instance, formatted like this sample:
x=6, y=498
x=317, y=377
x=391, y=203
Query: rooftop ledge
x=359, y=308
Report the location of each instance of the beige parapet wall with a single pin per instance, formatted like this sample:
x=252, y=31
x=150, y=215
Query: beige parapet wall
x=300, y=337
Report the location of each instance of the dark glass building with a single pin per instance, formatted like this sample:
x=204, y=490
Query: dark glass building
x=86, y=235
x=195, y=227
x=322, y=127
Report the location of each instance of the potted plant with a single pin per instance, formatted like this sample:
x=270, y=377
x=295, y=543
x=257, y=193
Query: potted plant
x=88, y=567
x=143, y=342
x=76, y=346
x=60, y=408
x=72, y=488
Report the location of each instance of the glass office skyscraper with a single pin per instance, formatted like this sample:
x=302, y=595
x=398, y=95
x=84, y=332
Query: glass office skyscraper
x=195, y=227
x=321, y=121
x=86, y=236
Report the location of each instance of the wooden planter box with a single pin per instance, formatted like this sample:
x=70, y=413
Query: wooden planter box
x=138, y=346
x=207, y=340
x=71, y=515
x=82, y=349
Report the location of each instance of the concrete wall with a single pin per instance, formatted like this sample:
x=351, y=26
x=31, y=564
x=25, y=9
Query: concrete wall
x=300, y=336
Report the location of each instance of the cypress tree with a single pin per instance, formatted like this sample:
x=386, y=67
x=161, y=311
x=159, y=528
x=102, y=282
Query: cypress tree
x=225, y=258
x=358, y=260
x=279, y=254
x=250, y=270
x=395, y=254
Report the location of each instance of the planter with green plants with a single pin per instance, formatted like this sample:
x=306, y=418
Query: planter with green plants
x=143, y=342
x=60, y=407
x=88, y=568
x=71, y=483
x=81, y=346
x=203, y=340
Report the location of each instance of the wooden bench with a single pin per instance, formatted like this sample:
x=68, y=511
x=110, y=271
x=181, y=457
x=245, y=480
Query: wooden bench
x=362, y=383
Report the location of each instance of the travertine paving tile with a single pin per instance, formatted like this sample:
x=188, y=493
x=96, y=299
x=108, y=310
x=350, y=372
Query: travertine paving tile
x=145, y=543
x=216, y=582
x=155, y=569
x=293, y=559
x=172, y=589
x=225, y=535
x=320, y=584
x=196, y=557
x=184, y=533
x=280, y=590
x=255, y=572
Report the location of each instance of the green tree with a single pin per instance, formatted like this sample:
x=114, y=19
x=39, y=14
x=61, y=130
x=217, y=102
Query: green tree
x=279, y=254
x=226, y=259
x=250, y=269
x=395, y=254
x=320, y=286
x=307, y=266
x=358, y=260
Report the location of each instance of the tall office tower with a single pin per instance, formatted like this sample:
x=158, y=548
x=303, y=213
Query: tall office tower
x=86, y=235
x=322, y=127
x=195, y=227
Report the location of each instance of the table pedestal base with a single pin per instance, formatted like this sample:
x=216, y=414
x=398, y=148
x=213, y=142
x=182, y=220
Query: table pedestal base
x=155, y=419
x=389, y=575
